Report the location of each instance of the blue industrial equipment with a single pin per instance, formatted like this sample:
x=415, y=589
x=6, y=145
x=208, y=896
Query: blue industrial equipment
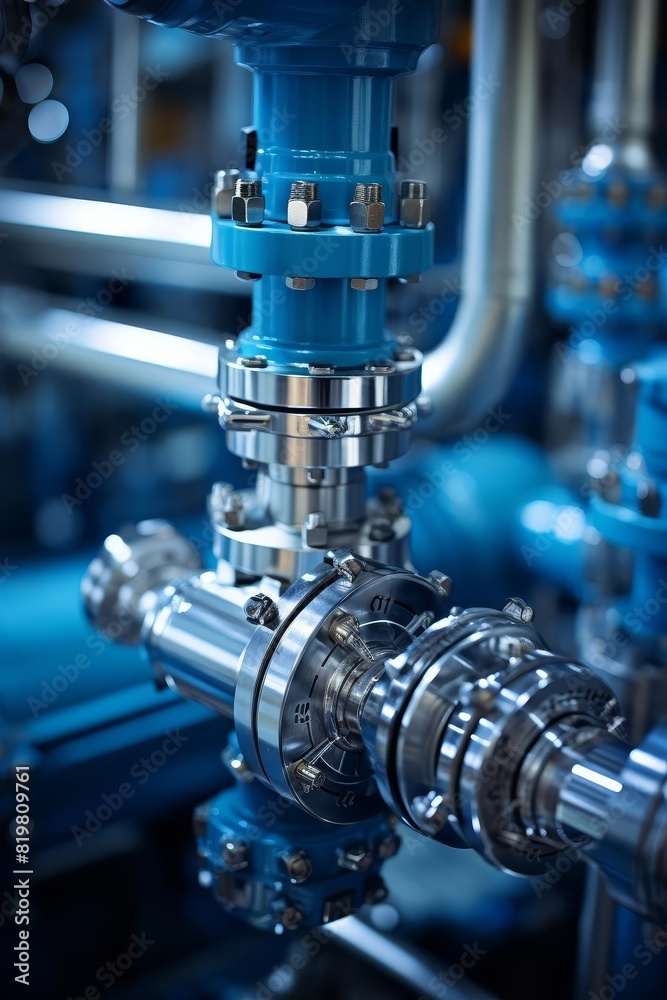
x=351, y=681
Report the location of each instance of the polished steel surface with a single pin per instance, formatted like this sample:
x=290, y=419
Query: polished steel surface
x=471, y=369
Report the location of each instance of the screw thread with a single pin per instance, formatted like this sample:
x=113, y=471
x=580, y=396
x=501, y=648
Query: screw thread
x=303, y=190
x=246, y=188
x=414, y=189
x=368, y=194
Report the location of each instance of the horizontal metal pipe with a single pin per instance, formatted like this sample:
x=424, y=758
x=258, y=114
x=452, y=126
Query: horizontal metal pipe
x=195, y=638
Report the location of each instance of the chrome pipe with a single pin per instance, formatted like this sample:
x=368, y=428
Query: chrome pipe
x=624, y=74
x=472, y=368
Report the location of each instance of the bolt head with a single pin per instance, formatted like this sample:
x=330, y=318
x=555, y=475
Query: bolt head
x=260, y=610
x=290, y=918
x=304, y=214
x=376, y=892
x=364, y=284
x=223, y=192
x=298, y=284
x=442, y=583
x=414, y=205
x=367, y=218
x=298, y=866
x=248, y=210
x=315, y=533
x=356, y=857
x=329, y=426
x=256, y=362
x=381, y=530
x=234, y=853
x=389, y=846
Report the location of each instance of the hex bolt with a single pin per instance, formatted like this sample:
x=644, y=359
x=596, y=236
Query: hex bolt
x=248, y=203
x=309, y=776
x=414, y=204
x=376, y=892
x=254, y=362
x=442, y=583
x=304, y=208
x=224, y=185
x=298, y=866
x=314, y=532
x=393, y=420
x=345, y=632
x=298, y=284
x=388, y=846
x=327, y=426
x=219, y=494
x=518, y=609
x=232, y=510
x=404, y=354
x=200, y=819
x=236, y=764
x=364, y=284
x=260, y=609
x=381, y=530
x=321, y=370
x=211, y=403
x=380, y=368
x=356, y=857
x=290, y=918
x=648, y=498
x=367, y=209
x=409, y=279
x=247, y=275
x=345, y=563
x=234, y=853
x=431, y=809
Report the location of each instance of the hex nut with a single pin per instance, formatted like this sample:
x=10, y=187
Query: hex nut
x=364, y=284
x=298, y=284
x=248, y=203
x=414, y=205
x=223, y=192
x=366, y=218
x=304, y=208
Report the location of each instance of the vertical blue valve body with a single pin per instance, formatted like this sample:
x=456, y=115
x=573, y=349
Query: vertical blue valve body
x=638, y=521
x=323, y=97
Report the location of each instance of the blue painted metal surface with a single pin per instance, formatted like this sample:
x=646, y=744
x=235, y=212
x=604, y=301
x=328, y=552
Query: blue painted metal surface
x=323, y=98
x=463, y=500
x=637, y=519
x=272, y=828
